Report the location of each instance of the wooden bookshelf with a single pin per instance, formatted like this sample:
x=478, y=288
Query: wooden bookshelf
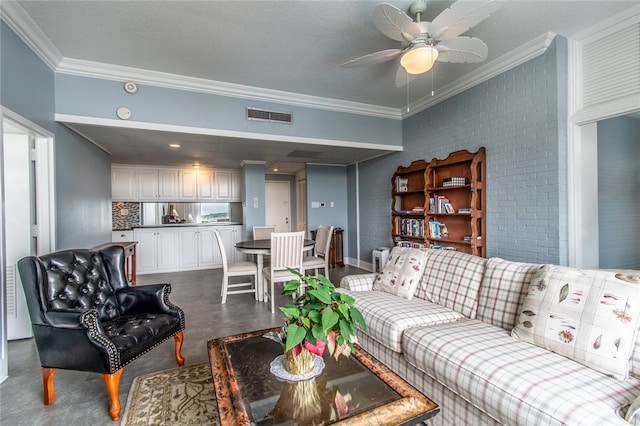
x=407, y=203
x=455, y=200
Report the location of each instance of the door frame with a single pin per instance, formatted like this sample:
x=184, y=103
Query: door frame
x=45, y=214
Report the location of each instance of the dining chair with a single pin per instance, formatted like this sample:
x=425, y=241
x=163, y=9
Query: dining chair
x=263, y=232
x=286, y=252
x=236, y=269
x=320, y=258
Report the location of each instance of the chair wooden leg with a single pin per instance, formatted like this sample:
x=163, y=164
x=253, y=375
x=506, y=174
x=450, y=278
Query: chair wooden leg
x=112, y=382
x=47, y=382
x=179, y=337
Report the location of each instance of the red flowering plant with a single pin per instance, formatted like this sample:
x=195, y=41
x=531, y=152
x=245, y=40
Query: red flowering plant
x=320, y=318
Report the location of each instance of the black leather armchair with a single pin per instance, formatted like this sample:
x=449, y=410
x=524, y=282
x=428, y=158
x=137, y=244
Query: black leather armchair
x=85, y=316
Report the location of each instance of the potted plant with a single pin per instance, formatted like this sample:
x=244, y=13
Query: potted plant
x=320, y=319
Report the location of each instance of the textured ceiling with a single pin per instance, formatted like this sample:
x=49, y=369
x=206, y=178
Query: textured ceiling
x=291, y=46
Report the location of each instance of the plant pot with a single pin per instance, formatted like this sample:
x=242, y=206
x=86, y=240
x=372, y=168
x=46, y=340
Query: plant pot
x=299, y=364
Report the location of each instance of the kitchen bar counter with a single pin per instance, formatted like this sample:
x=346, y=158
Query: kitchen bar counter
x=181, y=225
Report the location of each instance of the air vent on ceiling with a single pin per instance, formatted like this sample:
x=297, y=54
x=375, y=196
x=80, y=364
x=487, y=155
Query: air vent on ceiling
x=274, y=116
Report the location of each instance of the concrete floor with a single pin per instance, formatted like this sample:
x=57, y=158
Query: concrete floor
x=81, y=398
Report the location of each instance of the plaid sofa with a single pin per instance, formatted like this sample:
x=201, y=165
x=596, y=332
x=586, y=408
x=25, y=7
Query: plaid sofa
x=453, y=342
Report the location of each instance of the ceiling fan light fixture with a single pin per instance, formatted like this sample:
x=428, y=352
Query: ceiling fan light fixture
x=419, y=59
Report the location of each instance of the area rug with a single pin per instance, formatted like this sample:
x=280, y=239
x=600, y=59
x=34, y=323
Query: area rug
x=180, y=396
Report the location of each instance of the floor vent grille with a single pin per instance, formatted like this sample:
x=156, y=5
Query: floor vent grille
x=273, y=116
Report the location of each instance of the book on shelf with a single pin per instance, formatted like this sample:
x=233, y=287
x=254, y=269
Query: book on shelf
x=410, y=244
x=454, y=181
x=439, y=204
x=438, y=230
x=402, y=184
x=408, y=227
x=464, y=210
x=439, y=247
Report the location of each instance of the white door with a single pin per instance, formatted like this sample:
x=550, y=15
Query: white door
x=19, y=207
x=42, y=208
x=278, y=205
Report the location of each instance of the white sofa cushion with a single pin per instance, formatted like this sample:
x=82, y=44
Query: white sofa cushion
x=402, y=272
x=388, y=316
x=589, y=316
x=515, y=382
x=452, y=279
x=504, y=287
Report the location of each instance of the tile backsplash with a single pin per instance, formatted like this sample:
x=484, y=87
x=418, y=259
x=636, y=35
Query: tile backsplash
x=125, y=215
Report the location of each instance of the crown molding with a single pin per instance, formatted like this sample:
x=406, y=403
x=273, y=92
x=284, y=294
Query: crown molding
x=30, y=33
x=84, y=68
x=509, y=60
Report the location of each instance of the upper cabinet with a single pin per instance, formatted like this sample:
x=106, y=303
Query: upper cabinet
x=124, y=183
x=157, y=184
x=196, y=185
x=148, y=183
x=228, y=185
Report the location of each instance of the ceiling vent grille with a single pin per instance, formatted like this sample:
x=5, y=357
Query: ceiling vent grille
x=273, y=116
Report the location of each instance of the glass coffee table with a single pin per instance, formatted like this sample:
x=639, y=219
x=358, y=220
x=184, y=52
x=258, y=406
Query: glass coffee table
x=358, y=390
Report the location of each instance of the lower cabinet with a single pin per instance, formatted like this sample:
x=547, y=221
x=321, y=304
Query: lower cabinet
x=184, y=249
x=230, y=236
x=198, y=249
x=157, y=250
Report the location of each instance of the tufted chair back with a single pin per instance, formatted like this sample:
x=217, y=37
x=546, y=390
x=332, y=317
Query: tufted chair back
x=78, y=280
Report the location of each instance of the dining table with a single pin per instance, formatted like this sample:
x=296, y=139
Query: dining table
x=261, y=248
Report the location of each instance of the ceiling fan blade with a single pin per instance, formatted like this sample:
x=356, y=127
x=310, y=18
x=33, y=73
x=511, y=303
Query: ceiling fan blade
x=394, y=23
x=461, y=16
x=373, y=58
x=462, y=49
x=403, y=78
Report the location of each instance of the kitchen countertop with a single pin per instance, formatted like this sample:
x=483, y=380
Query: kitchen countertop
x=182, y=225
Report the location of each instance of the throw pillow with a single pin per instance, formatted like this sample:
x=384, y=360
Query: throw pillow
x=401, y=274
x=588, y=316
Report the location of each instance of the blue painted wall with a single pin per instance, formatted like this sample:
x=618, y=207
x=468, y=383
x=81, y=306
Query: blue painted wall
x=27, y=83
x=327, y=184
x=519, y=116
x=253, y=189
x=94, y=97
x=82, y=171
x=619, y=192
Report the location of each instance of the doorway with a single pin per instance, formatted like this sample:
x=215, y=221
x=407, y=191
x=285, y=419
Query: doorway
x=27, y=220
x=278, y=205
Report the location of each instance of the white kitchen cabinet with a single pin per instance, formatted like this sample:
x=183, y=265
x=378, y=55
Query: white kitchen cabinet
x=196, y=185
x=120, y=236
x=124, y=183
x=230, y=236
x=198, y=249
x=236, y=186
x=223, y=185
x=157, y=250
x=228, y=185
x=157, y=184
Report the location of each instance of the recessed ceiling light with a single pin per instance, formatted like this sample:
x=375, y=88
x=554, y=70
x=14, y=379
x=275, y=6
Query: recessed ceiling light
x=174, y=145
x=196, y=166
x=275, y=170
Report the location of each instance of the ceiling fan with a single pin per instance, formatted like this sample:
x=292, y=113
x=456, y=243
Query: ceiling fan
x=426, y=42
